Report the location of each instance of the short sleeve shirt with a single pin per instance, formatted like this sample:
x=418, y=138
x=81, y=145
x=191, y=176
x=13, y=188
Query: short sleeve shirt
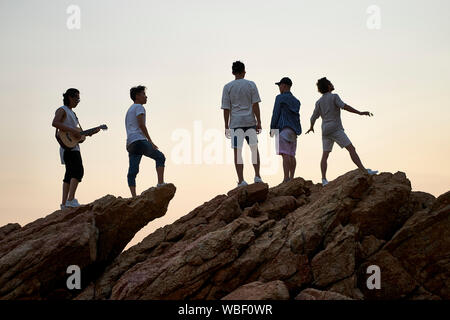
x=329, y=108
x=134, y=133
x=239, y=96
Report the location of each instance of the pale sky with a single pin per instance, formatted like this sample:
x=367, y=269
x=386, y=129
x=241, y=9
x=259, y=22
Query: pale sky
x=183, y=51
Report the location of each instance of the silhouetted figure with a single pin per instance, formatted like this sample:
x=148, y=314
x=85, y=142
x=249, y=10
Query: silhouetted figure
x=139, y=142
x=285, y=125
x=329, y=108
x=240, y=104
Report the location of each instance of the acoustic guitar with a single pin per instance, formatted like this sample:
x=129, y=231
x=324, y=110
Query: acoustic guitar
x=67, y=140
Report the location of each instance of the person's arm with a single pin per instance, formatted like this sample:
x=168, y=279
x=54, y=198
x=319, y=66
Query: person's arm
x=257, y=114
x=58, y=120
x=226, y=117
x=346, y=107
x=314, y=117
x=353, y=110
x=143, y=127
x=226, y=106
x=275, y=116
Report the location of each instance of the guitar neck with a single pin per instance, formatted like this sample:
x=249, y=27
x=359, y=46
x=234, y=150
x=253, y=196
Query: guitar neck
x=89, y=131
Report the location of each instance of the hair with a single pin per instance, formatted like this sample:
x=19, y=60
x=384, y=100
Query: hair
x=238, y=67
x=322, y=85
x=70, y=93
x=135, y=90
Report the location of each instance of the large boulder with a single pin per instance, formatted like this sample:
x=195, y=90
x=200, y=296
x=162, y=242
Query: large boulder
x=34, y=259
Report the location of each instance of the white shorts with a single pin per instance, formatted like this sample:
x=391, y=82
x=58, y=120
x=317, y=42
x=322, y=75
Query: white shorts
x=239, y=134
x=339, y=137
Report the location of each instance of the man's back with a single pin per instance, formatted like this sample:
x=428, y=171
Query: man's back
x=329, y=108
x=239, y=96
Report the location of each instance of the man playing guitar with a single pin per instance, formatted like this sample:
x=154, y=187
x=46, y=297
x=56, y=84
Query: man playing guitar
x=66, y=120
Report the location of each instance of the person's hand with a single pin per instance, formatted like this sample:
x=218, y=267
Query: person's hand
x=367, y=113
x=258, y=128
x=227, y=133
x=94, y=132
x=76, y=134
x=272, y=132
x=310, y=130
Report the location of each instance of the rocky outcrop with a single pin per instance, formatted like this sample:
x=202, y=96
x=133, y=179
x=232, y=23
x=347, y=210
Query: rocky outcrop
x=274, y=290
x=298, y=240
x=34, y=259
x=316, y=242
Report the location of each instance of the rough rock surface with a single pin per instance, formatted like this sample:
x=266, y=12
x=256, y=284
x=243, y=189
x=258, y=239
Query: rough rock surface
x=274, y=290
x=302, y=235
x=314, y=294
x=298, y=240
x=34, y=259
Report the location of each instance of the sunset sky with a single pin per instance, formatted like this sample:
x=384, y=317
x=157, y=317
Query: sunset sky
x=183, y=51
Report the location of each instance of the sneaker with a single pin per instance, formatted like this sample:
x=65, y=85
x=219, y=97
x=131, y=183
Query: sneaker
x=324, y=182
x=72, y=204
x=258, y=180
x=161, y=184
x=372, y=172
x=242, y=184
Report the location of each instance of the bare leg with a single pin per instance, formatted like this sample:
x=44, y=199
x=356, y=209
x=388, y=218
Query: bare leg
x=160, y=172
x=133, y=191
x=239, y=164
x=72, y=189
x=257, y=163
x=355, y=158
x=323, y=164
x=293, y=166
x=286, y=166
x=65, y=193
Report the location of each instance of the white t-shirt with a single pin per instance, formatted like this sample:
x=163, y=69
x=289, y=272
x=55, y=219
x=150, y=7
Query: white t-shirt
x=239, y=96
x=329, y=108
x=70, y=120
x=134, y=133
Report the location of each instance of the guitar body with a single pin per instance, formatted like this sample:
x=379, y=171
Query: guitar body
x=67, y=139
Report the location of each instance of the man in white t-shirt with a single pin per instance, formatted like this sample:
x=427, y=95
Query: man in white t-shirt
x=139, y=142
x=65, y=120
x=329, y=108
x=240, y=104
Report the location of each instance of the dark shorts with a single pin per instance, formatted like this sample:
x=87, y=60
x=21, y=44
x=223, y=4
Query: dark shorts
x=238, y=134
x=74, y=166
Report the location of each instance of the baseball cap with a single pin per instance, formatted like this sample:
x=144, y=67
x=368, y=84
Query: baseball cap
x=285, y=80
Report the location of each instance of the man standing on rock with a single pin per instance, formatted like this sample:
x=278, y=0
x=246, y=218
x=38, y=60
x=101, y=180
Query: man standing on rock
x=240, y=104
x=66, y=121
x=139, y=142
x=329, y=108
x=285, y=125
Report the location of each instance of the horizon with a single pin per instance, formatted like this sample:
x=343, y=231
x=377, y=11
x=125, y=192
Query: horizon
x=393, y=63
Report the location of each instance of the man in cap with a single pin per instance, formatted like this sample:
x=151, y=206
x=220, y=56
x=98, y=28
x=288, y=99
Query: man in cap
x=285, y=125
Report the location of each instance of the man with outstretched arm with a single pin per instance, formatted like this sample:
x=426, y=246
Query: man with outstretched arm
x=329, y=108
x=240, y=104
x=139, y=142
